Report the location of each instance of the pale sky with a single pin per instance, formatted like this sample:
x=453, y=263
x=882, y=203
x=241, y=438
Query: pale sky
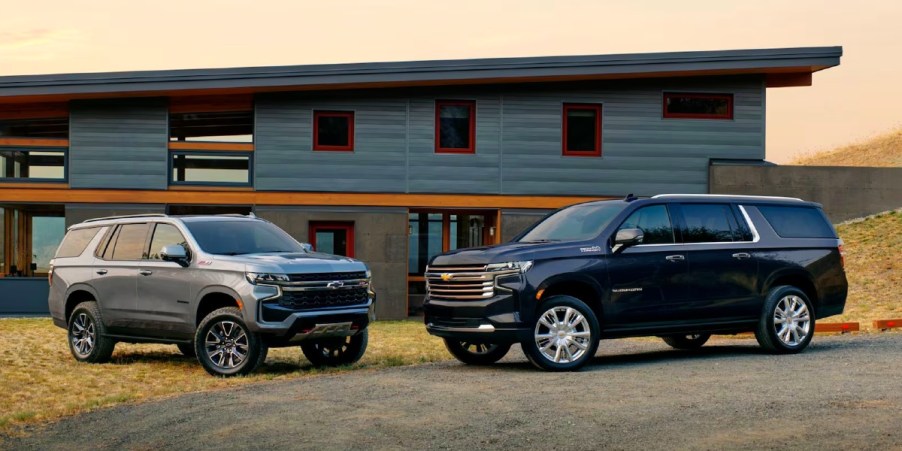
x=860, y=98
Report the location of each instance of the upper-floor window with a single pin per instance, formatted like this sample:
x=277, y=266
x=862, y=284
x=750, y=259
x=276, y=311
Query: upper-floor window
x=333, y=130
x=39, y=120
x=685, y=105
x=227, y=119
x=455, y=126
x=581, y=130
x=211, y=168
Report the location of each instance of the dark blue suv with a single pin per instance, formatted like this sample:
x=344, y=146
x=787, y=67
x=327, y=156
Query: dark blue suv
x=682, y=267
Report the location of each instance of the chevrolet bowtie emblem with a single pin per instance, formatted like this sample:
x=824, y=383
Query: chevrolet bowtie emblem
x=446, y=277
x=335, y=285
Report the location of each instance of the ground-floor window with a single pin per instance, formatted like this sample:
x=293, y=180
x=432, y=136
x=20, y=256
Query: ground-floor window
x=29, y=237
x=333, y=237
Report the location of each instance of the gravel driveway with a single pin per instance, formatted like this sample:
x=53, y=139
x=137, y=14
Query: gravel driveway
x=844, y=392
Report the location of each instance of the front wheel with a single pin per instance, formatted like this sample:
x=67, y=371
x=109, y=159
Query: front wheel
x=336, y=351
x=787, y=322
x=224, y=345
x=477, y=353
x=565, y=335
x=686, y=342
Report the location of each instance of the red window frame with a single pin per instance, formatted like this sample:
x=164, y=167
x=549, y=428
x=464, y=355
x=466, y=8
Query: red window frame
x=348, y=227
x=726, y=116
x=322, y=147
x=581, y=153
x=471, y=104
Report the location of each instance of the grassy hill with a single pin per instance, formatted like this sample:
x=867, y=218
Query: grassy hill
x=881, y=151
x=872, y=248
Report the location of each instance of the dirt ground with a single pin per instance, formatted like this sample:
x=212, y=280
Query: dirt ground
x=843, y=392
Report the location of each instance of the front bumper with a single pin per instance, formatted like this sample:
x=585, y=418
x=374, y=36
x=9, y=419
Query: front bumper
x=494, y=320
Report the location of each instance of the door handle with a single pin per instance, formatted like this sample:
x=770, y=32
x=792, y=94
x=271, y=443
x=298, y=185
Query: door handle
x=742, y=255
x=101, y=271
x=675, y=258
x=145, y=272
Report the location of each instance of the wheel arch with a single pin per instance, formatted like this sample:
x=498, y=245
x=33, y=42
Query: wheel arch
x=578, y=286
x=214, y=298
x=76, y=295
x=796, y=278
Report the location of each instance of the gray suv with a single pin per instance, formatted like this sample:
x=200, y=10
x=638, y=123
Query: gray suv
x=222, y=288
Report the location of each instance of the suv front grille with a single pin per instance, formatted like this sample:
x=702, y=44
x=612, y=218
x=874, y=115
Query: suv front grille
x=314, y=299
x=459, y=283
x=326, y=276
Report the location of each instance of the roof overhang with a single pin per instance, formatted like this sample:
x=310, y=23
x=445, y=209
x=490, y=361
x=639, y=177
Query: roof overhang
x=781, y=67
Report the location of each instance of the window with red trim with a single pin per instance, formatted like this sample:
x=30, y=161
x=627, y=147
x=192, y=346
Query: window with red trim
x=687, y=105
x=333, y=130
x=333, y=237
x=581, y=134
x=455, y=126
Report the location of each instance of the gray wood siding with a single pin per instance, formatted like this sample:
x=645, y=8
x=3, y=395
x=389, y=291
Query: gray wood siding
x=285, y=159
x=518, y=141
x=119, y=144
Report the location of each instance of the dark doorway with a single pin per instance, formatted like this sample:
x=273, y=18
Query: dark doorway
x=333, y=237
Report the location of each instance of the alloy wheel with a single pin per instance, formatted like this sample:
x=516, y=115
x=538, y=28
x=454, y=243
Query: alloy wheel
x=83, y=334
x=792, y=320
x=226, y=344
x=562, y=334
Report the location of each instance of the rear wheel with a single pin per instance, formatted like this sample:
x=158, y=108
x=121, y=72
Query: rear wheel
x=565, y=335
x=336, y=351
x=225, y=346
x=476, y=353
x=686, y=342
x=87, y=334
x=787, y=322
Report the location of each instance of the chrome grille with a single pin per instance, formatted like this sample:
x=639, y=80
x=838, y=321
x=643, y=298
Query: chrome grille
x=459, y=282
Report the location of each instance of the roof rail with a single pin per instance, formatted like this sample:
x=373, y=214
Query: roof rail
x=735, y=196
x=146, y=215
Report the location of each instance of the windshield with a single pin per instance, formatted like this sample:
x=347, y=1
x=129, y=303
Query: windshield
x=579, y=222
x=241, y=237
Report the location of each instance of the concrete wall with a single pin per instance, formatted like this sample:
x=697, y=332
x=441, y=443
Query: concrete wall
x=845, y=192
x=380, y=239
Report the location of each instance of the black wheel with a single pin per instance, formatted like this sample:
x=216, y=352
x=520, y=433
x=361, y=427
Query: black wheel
x=87, y=334
x=476, y=353
x=336, y=351
x=686, y=342
x=224, y=345
x=787, y=322
x=187, y=349
x=565, y=335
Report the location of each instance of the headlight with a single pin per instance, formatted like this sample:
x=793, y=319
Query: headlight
x=257, y=277
x=510, y=266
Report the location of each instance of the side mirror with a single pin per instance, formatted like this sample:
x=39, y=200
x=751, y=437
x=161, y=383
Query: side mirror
x=174, y=253
x=307, y=247
x=626, y=238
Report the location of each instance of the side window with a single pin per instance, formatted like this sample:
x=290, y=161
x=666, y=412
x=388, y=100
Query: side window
x=707, y=223
x=797, y=222
x=76, y=241
x=130, y=241
x=165, y=235
x=654, y=223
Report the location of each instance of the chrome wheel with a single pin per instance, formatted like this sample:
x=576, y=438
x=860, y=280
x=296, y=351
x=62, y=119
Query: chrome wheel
x=792, y=320
x=83, y=335
x=226, y=344
x=562, y=335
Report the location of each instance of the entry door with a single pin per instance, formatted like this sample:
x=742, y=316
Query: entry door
x=115, y=277
x=333, y=237
x=648, y=282
x=164, y=293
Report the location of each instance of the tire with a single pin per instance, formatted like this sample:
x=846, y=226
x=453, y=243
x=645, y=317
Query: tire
x=87, y=334
x=187, y=349
x=224, y=345
x=578, y=339
x=686, y=342
x=781, y=333
x=476, y=353
x=336, y=351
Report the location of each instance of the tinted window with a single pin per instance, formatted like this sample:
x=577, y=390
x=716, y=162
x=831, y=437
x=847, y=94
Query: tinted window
x=582, y=126
x=76, y=241
x=130, y=242
x=333, y=130
x=698, y=106
x=165, y=235
x=225, y=126
x=455, y=125
x=707, y=223
x=654, y=222
x=241, y=237
x=57, y=127
x=577, y=222
x=798, y=222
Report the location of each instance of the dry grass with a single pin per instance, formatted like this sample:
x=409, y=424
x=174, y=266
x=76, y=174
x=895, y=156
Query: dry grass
x=881, y=151
x=41, y=381
x=872, y=248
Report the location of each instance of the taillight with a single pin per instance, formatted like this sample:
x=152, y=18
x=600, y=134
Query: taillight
x=842, y=256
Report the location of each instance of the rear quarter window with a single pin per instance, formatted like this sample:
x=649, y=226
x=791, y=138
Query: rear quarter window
x=75, y=242
x=798, y=222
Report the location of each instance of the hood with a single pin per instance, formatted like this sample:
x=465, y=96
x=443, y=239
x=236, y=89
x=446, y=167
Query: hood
x=509, y=252
x=294, y=263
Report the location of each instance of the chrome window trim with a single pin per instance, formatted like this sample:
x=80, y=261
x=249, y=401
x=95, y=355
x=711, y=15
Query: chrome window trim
x=748, y=220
